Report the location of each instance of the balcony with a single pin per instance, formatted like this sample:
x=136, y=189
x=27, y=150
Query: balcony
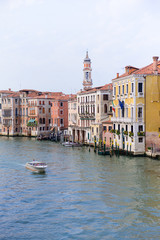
x=141, y=134
x=121, y=119
x=7, y=112
x=7, y=122
x=87, y=116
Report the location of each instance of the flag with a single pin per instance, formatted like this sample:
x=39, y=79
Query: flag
x=121, y=104
x=113, y=108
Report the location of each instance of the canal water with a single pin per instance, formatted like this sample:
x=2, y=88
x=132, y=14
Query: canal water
x=81, y=196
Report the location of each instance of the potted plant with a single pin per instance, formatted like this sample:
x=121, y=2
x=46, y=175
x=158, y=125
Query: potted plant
x=141, y=133
x=131, y=134
x=117, y=132
x=125, y=132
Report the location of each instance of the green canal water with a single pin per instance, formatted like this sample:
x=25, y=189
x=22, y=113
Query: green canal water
x=81, y=196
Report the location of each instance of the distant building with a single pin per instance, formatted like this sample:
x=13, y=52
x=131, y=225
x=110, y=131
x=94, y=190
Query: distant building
x=93, y=106
x=59, y=113
x=72, y=117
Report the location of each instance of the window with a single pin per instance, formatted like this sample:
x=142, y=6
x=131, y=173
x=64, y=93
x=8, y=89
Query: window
x=140, y=112
x=118, y=127
x=97, y=129
x=61, y=104
x=132, y=128
x=98, y=109
x=104, y=128
x=0, y=106
x=114, y=90
x=140, y=87
x=39, y=102
x=114, y=126
x=43, y=120
x=105, y=97
x=92, y=130
x=109, y=128
x=132, y=87
x=105, y=108
x=16, y=100
x=140, y=128
x=126, y=88
x=127, y=128
x=61, y=112
x=123, y=109
x=122, y=89
x=119, y=89
x=61, y=121
x=43, y=110
x=110, y=108
x=140, y=140
x=16, y=112
x=98, y=97
x=43, y=103
x=126, y=112
x=132, y=112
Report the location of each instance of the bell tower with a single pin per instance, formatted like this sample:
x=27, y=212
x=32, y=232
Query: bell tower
x=87, y=80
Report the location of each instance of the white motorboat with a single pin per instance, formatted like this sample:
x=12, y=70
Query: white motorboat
x=67, y=144
x=71, y=144
x=36, y=166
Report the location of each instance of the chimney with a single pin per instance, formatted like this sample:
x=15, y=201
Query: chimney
x=117, y=75
x=155, y=63
x=9, y=89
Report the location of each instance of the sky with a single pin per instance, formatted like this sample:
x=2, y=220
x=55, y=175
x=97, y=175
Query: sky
x=43, y=42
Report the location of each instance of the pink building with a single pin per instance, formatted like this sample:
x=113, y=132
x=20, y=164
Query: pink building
x=106, y=134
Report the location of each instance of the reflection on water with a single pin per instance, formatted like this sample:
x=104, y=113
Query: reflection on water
x=81, y=196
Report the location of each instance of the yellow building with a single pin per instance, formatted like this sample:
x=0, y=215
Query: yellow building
x=136, y=120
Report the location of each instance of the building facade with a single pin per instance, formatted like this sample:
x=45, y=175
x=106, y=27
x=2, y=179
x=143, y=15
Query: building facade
x=134, y=95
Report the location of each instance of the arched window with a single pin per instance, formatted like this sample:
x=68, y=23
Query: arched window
x=105, y=108
x=40, y=120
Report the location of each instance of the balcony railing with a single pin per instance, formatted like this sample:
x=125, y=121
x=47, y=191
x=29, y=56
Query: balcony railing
x=121, y=119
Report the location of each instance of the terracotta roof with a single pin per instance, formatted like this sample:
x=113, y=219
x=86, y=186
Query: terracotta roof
x=6, y=91
x=105, y=87
x=147, y=70
x=13, y=95
x=28, y=90
x=63, y=98
x=54, y=93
